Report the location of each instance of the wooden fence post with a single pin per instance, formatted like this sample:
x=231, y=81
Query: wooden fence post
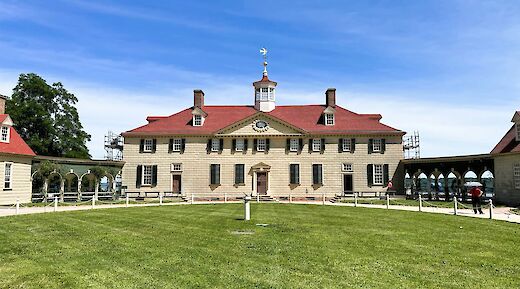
x=355, y=199
x=55, y=203
x=127, y=200
x=17, y=206
x=455, y=205
x=420, y=203
x=387, y=201
x=491, y=209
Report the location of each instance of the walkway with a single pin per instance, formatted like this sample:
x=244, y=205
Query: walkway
x=500, y=213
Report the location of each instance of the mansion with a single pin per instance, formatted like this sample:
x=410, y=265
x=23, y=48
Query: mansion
x=262, y=149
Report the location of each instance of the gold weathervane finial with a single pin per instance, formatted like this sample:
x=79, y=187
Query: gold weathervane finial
x=263, y=51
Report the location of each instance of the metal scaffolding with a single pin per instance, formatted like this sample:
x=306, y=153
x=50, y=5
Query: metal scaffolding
x=412, y=146
x=113, y=146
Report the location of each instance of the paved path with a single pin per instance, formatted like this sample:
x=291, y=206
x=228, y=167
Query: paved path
x=500, y=213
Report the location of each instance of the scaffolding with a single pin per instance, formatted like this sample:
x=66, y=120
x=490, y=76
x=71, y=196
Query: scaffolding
x=113, y=146
x=412, y=146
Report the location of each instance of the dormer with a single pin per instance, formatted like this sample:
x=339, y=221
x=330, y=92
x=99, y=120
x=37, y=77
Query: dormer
x=5, y=129
x=516, y=121
x=198, y=104
x=330, y=111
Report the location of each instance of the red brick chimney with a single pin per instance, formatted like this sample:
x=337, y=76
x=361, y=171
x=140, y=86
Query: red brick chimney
x=2, y=103
x=198, y=98
x=330, y=97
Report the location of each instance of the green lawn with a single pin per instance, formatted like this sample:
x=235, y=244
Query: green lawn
x=304, y=246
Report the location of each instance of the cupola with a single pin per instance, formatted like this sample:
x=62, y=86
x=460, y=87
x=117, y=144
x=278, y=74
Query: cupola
x=265, y=89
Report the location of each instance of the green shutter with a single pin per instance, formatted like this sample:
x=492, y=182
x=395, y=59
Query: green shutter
x=139, y=176
x=370, y=175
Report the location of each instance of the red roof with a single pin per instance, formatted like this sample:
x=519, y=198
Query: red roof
x=16, y=144
x=508, y=143
x=306, y=118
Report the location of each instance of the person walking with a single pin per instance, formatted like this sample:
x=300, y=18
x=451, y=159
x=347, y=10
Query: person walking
x=476, y=194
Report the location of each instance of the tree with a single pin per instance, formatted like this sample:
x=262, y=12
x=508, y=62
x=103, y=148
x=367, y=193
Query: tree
x=46, y=118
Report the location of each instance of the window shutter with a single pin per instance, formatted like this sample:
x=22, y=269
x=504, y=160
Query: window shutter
x=239, y=174
x=170, y=145
x=316, y=175
x=288, y=145
x=301, y=145
x=297, y=173
x=233, y=145
x=217, y=174
x=352, y=145
x=310, y=145
x=370, y=145
x=154, y=176
x=267, y=144
x=320, y=176
x=322, y=119
x=322, y=145
x=245, y=145
x=254, y=144
x=154, y=145
x=139, y=176
x=221, y=145
x=386, y=176
x=208, y=146
x=383, y=145
x=141, y=146
x=183, y=145
x=370, y=175
x=340, y=145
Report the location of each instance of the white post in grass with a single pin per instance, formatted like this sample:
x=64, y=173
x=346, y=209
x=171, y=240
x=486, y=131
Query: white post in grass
x=355, y=199
x=247, y=208
x=387, y=201
x=455, y=205
x=225, y=197
x=192, y=198
x=160, y=199
x=420, y=203
x=17, y=206
x=55, y=203
x=290, y=198
x=323, y=198
x=491, y=209
x=93, y=202
x=127, y=200
x=257, y=198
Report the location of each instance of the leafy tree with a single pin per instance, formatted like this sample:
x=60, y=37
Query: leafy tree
x=46, y=118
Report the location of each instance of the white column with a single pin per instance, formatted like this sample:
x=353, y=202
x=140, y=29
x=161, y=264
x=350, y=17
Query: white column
x=55, y=203
x=225, y=197
x=355, y=199
x=420, y=203
x=247, y=208
x=160, y=199
x=455, y=205
x=490, y=209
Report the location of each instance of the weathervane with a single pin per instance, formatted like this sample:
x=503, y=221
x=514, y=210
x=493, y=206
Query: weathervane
x=263, y=51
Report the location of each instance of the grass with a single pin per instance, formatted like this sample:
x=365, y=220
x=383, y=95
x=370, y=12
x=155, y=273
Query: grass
x=304, y=246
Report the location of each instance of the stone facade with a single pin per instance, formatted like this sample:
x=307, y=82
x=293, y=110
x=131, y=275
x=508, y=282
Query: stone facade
x=20, y=188
x=196, y=161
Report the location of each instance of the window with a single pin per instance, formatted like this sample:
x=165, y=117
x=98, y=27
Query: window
x=376, y=145
x=317, y=174
x=346, y=145
x=261, y=145
x=239, y=145
x=378, y=175
x=215, y=174
x=7, y=177
x=316, y=145
x=239, y=174
x=516, y=175
x=147, y=176
x=148, y=145
x=197, y=120
x=176, y=167
x=215, y=145
x=5, y=134
x=271, y=93
x=294, y=172
x=176, y=145
x=265, y=93
x=294, y=145
x=329, y=119
x=347, y=167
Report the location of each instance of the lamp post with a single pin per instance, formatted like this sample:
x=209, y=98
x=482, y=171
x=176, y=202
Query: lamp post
x=247, y=208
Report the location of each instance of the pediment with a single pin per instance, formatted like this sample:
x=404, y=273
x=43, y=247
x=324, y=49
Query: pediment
x=261, y=124
x=198, y=111
x=516, y=117
x=329, y=109
x=7, y=121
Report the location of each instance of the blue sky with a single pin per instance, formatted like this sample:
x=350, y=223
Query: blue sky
x=449, y=69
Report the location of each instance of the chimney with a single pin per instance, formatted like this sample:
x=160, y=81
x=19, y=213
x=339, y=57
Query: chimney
x=198, y=98
x=2, y=103
x=331, y=97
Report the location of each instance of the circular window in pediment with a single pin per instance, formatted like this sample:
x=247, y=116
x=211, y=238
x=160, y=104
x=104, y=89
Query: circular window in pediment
x=260, y=125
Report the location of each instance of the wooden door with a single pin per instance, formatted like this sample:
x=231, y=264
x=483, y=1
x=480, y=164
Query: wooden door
x=348, y=186
x=261, y=183
x=176, y=183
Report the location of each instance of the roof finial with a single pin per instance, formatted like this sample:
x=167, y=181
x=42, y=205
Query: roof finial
x=263, y=51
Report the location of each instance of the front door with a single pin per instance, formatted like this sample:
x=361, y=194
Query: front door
x=176, y=183
x=261, y=183
x=348, y=186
